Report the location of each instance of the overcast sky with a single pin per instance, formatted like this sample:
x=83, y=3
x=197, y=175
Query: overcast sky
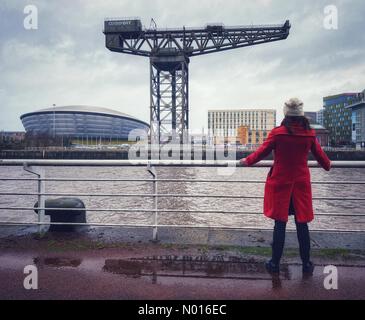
x=65, y=62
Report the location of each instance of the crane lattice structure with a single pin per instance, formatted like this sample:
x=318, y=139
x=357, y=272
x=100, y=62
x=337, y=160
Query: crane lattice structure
x=169, y=51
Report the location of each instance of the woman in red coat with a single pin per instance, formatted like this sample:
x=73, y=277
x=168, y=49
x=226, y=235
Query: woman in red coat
x=288, y=186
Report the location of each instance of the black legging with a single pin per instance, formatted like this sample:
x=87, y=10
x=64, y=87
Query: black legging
x=279, y=239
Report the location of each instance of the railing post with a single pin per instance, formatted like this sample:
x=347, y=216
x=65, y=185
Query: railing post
x=41, y=189
x=152, y=171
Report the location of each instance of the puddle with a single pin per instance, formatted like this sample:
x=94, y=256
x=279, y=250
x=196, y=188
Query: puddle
x=57, y=262
x=166, y=268
x=216, y=267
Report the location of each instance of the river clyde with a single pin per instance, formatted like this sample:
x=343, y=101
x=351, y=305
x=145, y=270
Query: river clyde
x=183, y=188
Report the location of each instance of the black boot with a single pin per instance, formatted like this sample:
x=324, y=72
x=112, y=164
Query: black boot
x=308, y=268
x=304, y=247
x=272, y=267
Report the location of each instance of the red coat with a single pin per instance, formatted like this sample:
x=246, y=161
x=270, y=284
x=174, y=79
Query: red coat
x=289, y=176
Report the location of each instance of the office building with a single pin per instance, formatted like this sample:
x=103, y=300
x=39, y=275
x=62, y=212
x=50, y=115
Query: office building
x=322, y=134
x=311, y=116
x=357, y=109
x=337, y=118
x=223, y=125
x=252, y=137
x=319, y=117
x=12, y=136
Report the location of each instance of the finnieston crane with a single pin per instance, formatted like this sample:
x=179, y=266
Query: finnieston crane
x=169, y=51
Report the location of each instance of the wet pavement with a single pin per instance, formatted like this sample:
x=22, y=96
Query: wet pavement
x=211, y=237
x=152, y=272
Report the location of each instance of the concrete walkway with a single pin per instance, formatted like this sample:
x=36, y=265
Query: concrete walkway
x=75, y=268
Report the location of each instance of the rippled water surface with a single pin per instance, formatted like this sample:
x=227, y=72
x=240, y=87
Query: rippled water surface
x=183, y=188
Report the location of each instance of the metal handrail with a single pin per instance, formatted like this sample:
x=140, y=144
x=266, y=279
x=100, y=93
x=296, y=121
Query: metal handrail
x=341, y=182
x=41, y=194
x=163, y=195
x=116, y=210
x=170, y=163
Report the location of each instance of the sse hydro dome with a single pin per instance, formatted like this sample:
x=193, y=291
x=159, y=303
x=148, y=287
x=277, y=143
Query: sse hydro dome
x=82, y=122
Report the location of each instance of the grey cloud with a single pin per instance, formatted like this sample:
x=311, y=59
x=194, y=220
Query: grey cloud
x=65, y=60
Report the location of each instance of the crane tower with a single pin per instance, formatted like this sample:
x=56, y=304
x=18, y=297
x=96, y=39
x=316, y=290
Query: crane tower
x=169, y=52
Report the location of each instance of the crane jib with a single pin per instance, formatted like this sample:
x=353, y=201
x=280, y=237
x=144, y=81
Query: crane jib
x=169, y=51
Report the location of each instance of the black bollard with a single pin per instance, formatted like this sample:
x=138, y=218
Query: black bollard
x=67, y=215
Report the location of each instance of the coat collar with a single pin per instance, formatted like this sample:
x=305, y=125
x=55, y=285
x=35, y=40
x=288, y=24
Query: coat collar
x=297, y=131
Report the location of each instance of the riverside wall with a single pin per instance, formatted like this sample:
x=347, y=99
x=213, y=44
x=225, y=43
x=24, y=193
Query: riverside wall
x=355, y=155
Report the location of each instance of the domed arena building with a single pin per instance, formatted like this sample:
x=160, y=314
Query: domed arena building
x=82, y=122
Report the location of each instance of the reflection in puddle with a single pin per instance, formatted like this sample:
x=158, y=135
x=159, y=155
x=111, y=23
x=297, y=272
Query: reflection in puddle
x=173, y=266
x=57, y=262
x=276, y=281
x=217, y=267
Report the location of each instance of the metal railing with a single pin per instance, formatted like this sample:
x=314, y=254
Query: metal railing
x=36, y=167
